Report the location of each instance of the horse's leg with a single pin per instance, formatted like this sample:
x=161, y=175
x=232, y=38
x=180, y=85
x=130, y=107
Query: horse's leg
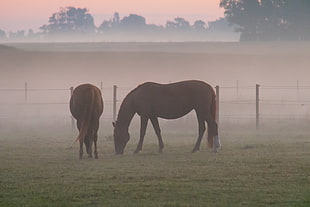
x=201, y=131
x=158, y=133
x=143, y=126
x=88, y=142
x=95, y=136
x=95, y=143
x=81, y=149
x=78, y=124
x=90, y=147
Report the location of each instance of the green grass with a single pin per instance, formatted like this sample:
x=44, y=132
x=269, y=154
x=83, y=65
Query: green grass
x=250, y=170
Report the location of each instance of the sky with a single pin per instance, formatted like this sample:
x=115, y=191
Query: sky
x=31, y=14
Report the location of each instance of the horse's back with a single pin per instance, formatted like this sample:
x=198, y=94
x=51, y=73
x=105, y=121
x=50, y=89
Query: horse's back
x=187, y=89
x=172, y=100
x=83, y=98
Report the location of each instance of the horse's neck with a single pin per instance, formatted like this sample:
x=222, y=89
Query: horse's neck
x=125, y=114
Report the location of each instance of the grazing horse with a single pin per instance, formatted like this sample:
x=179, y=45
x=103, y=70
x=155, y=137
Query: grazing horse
x=169, y=101
x=86, y=106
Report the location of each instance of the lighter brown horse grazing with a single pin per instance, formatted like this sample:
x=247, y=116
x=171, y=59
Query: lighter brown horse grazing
x=168, y=101
x=86, y=106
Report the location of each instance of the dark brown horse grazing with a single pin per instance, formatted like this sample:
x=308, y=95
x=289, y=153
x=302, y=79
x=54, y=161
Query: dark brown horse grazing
x=168, y=101
x=86, y=106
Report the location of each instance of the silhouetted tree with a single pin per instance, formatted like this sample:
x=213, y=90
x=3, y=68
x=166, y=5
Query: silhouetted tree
x=105, y=25
x=269, y=19
x=133, y=22
x=70, y=20
x=19, y=35
x=199, y=25
x=116, y=19
x=178, y=24
x=297, y=19
x=108, y=25
x=244, y=13
x=33, y=35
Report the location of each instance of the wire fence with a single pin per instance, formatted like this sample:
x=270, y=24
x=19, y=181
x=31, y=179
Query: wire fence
x=236, y=103
x=265, y=104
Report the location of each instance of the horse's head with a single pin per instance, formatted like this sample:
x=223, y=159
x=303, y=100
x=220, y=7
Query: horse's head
x=121, y=137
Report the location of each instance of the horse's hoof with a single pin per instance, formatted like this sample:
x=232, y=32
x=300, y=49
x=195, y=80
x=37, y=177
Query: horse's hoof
x=216, y=141
x=194, y=150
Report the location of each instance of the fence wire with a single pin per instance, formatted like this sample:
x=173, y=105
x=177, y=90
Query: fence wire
x=236, y=102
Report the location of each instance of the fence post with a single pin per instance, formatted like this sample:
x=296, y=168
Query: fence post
x=26, y=92
x=297, y=85
x=114, y=101
x=72, y=118
x=237, y=88
x=217, y=117
x=257, y=106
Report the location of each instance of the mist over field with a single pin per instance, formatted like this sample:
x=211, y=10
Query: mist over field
x=112, y=63
x=235, y=67
x=48, y=70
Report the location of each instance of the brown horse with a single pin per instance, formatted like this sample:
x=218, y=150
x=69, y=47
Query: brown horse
x=168, y=101
x=86, y=106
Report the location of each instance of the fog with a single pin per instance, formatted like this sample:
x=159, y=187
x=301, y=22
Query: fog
x=50, y=69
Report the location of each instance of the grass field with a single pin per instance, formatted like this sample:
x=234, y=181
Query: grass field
x=250, y=170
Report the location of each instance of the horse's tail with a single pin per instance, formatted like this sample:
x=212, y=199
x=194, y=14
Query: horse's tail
x=86, y=119
x=213, y=107
x=213, y=114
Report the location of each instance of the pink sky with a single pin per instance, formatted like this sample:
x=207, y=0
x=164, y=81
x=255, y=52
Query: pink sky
x=26, y=14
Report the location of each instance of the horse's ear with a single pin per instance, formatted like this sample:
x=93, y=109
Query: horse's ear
x=113, y=123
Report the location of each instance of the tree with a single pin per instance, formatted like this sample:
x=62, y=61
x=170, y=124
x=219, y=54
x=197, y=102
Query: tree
x=199, y=25
x=19, y=35
x=116, y=19
x=70, y=20
x=105, y=26
x=129, y=28
x=178, y=24
x=133, y=22
x=33, y=35
x=297, y=18
x=244, y=13
x=269, y=19
x=111, y=24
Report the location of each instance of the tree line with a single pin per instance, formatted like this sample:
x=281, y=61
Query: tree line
x=71, y=22
x=245, y=20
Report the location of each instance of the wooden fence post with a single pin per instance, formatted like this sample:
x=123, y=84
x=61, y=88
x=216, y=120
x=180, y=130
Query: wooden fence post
x=237, y=88
x=257, y=106
x=72, y=118
x=297, y=85
x=217, y=117
x=26, y=92
x=114, y=101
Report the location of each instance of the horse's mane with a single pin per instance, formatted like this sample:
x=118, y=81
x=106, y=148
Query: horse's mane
x=135, y=89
